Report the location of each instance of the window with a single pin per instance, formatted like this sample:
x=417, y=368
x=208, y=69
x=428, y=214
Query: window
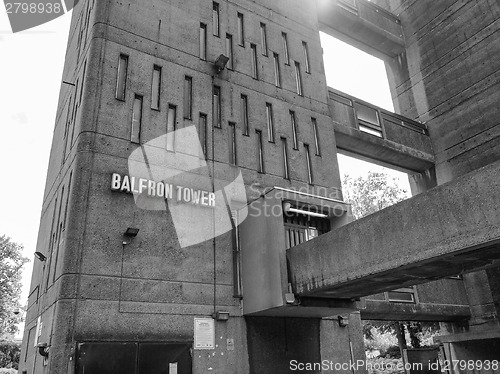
x=298, y=78
x=285, y=48
x=135, y=133
x=277, y=72
x=202, y=132
x=229, y=51
x=285, y=158
x=368, y=120
x=216, y=107
x=402, y=295
x=155, y=88
x=203, y=41
x=232, y=150
x=306, y=57
x=316, y=139
x=260, y=152
x=308, y=164
x=215, y=18
x=121, y=78
x=255, y=70
x=241, y=31
x=300, y=228
x=171, y=121
x=67, y=201
x=188, y=97
x=244, y=114
x=263, y=38
x=294, y=130
x=270, y=122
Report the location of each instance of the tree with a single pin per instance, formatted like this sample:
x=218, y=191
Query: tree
x=373, y=193
x=11, y=263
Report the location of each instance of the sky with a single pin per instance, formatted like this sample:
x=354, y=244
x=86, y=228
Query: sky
x=31, y=64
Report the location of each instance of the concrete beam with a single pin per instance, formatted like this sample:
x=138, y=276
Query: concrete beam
x=453, y=228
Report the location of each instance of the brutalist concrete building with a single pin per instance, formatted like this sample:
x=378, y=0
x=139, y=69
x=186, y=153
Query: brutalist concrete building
x=193, y=218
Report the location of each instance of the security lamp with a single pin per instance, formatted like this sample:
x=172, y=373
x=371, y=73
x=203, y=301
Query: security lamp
x=221, y=316
x=343, y=321
x=40, y=256
x=43, y=349
x=221, y=62
x=131, y=232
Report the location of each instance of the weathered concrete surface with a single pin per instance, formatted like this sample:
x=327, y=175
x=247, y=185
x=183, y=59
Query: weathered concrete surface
x=452, y=228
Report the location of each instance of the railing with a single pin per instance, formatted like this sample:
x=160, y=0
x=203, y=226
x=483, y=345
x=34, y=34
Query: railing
x=371, y=119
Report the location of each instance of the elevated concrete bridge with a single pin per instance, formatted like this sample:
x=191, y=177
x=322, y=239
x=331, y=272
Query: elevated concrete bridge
x=451, y=229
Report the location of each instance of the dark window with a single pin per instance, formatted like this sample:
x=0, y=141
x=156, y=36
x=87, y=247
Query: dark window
x=217, y=106
x=270, y=122
x=156, y=88
x=306, y=57
x=229, y=51
x=285, y=47
x=260, y=152
x=300, y=228
x=316, y=137
x=135, y=133
x=188, y=97
x=241, y=30
x=277, y=72
x=244, y=114
x=308, y=164
x=263, y=37
x=255, y=69
x=285, y=158
x=202, y=132
x=232, y=151
x=368, y=120
x=203, y=41
x=171, y=127
x=121, y=78
x=298, y=78
x=402, y=295
x=215, y=18
x=294, y=130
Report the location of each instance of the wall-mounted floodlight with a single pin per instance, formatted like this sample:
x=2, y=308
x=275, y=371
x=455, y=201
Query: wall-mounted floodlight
x=221, y=316
x=40, y=256
x=343, y=321
x=287, y=207
x=220, y=63
x=43, y=349
x=131, y=232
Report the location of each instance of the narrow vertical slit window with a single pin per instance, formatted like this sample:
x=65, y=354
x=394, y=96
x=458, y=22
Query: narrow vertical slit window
x=202, y=132
x=171, y=126
x=308, y=164
x=67, y=201
x=270, y=122
x=244, y=114
x=216, y=107
x=255, y=69
x=83, y=82
x=306, y=57
x=241, y=30
x=260, y=152
x=263, y=38
x=285, y=48
x=285, y=158
x=215, y=18
x=232, y=151
x=293, y=122
x=121, y=78
x=277, y=72
x=316, y=137
x=135, y=133
x=155, y=88
x=188, y=97
x=298, y=78
x=203, y=41
x=229, y=51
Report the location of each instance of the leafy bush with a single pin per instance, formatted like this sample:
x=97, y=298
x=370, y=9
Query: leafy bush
x=8, y=371
x=9, y=356
x=393, y=352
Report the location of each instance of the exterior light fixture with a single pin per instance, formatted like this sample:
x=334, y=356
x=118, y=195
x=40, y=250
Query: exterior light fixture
x=343, y=321
x=40, y=256
x=131, y=232
x=287, y=207
x=220, y=63
x=43, y=349
x=221, y=316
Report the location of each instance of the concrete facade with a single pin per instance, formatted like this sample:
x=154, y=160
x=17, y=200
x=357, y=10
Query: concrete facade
x=106, y=294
